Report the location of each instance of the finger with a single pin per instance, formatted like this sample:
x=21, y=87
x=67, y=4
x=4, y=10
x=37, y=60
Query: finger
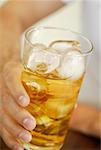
x=12, y=77
x=22, y=116
x=10, y=141
x=14, y=129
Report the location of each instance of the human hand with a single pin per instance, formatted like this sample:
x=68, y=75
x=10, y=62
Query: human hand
x=86, y=119
x=15, y=121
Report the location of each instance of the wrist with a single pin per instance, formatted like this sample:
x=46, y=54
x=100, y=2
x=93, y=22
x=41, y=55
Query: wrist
x=10, y=20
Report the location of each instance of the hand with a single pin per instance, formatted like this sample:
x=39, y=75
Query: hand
x=86, y=119
x=15, y=121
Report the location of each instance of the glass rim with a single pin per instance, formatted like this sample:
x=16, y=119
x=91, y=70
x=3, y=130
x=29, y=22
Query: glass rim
x=30, y=29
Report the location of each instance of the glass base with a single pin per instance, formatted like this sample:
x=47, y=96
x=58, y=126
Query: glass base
x=28, y=146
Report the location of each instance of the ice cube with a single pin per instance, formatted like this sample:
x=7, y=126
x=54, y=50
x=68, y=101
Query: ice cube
x=57, y=108
x=52, y=50
x=43, y=120
x=38, y=47
x=43, y=61
x=35, y=85
x=72, y=66
x=62, y=47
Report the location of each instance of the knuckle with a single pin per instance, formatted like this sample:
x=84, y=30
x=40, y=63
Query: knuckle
x=1, y=113
x=5, y=98
x=6, y=72
x=2, y=132
x=21, y=114
x=2, y=116
x=1, y=128
x=8, y=68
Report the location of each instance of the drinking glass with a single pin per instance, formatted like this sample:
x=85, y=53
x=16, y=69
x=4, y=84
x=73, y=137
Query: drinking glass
x=54, y=63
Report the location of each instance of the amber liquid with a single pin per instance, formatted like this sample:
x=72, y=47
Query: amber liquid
x=51, y=102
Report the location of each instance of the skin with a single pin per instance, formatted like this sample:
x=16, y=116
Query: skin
x=15, y=121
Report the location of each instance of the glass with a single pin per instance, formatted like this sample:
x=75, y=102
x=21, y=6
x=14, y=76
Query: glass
x=54, y=61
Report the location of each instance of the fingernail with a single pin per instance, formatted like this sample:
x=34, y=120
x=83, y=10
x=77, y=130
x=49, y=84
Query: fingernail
x=23, y=100
x=25, y=136
x=17, y=148
x=29, y=123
